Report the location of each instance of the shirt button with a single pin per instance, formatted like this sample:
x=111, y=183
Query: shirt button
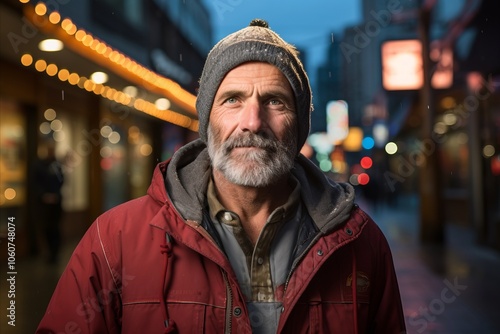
x=237, y=311
x=228, y=216
x=260, y=260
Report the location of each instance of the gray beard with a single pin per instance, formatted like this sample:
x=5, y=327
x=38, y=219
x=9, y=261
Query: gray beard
x=257, y=167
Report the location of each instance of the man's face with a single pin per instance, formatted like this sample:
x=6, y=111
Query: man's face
x=252, y=132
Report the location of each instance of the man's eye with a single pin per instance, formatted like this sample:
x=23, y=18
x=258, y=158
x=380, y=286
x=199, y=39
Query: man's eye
x=275, y=102
x=231, y=100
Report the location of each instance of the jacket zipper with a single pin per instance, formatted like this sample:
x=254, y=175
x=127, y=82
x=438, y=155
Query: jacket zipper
x=229, y=292
x=196, y=226
x=229, y=305
x=297, y=260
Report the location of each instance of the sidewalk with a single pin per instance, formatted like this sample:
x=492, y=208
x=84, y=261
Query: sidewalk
x=35, y=283
x=449, y=289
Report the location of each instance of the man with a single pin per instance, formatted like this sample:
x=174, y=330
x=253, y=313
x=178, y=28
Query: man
x=239, y=233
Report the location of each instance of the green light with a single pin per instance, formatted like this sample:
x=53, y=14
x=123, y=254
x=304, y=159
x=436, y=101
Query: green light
x=325, y=165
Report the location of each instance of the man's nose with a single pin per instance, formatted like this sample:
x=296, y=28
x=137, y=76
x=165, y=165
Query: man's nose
x=251, y=118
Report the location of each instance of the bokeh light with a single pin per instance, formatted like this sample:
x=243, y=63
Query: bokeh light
x=391, y=148
x=363, y=179
x=368, y=143
x=366, y=162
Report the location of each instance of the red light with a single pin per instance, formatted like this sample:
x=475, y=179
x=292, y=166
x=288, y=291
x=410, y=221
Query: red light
x=495, y=165
x=106, y=164
x=366, y=162
x=363, y=179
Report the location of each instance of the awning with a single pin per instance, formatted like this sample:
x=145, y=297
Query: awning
x=84, y=54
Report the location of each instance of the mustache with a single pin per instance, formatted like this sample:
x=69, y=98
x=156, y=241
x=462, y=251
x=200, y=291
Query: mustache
x=250, y=140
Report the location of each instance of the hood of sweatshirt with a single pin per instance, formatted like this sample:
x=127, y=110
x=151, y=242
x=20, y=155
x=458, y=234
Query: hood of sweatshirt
x=329, y=203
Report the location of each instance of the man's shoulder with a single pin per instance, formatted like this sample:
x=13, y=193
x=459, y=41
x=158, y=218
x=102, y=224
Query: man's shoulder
x=133, y=213
x=371, y=234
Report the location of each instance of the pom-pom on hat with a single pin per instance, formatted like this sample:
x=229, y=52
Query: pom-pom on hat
x=257, y=42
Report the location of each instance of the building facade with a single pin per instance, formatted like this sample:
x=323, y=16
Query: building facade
x=451, y=119
x=108, y=133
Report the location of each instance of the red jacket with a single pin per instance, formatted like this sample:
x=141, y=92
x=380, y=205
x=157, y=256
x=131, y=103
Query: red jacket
x=142, y=268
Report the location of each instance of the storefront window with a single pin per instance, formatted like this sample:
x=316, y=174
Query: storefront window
x=73, y=145
x=125, y=156
x=114, y=166
x=454, y=159
x=141, y=167
x=12, y=155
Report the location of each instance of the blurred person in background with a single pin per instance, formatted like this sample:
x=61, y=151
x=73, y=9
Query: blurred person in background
x=239, y=232
x=49, y=180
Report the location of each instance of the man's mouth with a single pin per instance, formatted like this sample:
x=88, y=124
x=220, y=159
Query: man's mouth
x=237, y=148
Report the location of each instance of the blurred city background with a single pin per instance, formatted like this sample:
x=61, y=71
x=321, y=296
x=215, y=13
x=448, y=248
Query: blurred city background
x=406, y=108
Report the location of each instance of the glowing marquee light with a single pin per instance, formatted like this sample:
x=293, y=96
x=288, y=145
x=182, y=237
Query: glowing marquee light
x=91, y=48
x=113, y=94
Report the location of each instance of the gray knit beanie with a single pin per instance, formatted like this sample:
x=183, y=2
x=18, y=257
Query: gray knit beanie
x=257, y=42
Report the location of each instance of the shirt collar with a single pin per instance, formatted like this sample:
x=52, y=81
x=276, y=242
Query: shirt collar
x=281, y=213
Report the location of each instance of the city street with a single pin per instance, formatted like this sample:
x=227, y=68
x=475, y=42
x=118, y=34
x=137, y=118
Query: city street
x=445, y=290
x=451, y=289
x=406, y=101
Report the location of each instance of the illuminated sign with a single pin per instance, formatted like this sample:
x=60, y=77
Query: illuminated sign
x=402, y=66
x=337, y=121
